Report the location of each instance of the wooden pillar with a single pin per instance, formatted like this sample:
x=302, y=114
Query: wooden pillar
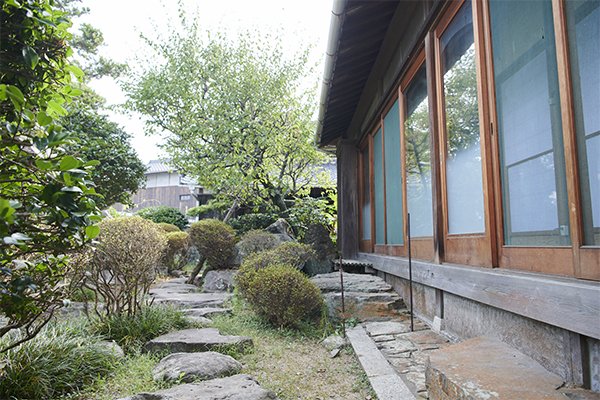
x=347, y=186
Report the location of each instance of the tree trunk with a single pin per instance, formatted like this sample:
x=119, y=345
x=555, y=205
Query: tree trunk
x=196, y=270
x=233, y=208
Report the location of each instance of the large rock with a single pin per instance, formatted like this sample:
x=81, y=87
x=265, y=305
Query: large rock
x=237, y=387
x=282, y=230
x=174, y=287
x=219, y=281
x=189, y=300
x=195, y=340
x=188, y=367
x=366, y=297
x=317, y=236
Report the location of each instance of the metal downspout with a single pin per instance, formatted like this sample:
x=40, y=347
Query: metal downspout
x=335, y=28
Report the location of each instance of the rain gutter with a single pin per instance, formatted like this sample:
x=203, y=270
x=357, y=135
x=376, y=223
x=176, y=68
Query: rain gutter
x=335, y=29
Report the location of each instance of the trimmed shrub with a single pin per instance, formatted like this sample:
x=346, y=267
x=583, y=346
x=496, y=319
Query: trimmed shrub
x=291, y=254
x=283, y=295
x=214, y=240
x=131, y=332
x=165, y=226
x=166, y=214
x=123, y=266
x=256, y=241
x=177, y=246
x=247, y=222
x=59, y=360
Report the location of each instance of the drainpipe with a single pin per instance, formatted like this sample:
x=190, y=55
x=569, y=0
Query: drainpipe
x=335, y=29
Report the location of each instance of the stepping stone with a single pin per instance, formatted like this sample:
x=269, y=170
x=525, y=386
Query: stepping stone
x=190, y=300
x=352, y=283
x=237, y=387
x=195, y=340
x=386, y=328
x=191, y=366
x=171, y=287
x=206, y=311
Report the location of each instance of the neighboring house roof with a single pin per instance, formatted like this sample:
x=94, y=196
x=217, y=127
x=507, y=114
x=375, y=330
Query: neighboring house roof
x=159, y=167
x=354, y=44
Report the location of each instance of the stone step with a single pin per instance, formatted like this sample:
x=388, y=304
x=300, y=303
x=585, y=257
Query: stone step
x=195, y=340
x=486, y=368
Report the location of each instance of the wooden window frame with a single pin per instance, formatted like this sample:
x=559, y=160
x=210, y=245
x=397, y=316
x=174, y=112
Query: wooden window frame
x=478, y=248
x=422, y=248
x=576, y=260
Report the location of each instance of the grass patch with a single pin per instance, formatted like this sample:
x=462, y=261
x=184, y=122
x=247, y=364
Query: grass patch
x=62, y=358
x=132, y=332
x=292, y=363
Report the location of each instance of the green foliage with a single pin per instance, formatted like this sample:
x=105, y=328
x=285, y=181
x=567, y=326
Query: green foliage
x=165, y=226
x=177, y=247
x=248, y=222
x=290, y=254
x=166, y=214
x=47, y=203
x=235, y=113
x=213, y=206
x=215, y=241
x=256, y=241
x=122, y=267
x=283, y=295
x=131, y=332
x=308, y=211
x=120, y=172
x=60, y=359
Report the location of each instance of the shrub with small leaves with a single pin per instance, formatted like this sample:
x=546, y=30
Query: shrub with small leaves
x=256, y=241
x=214, y=240
x=247, y=222
x=165, y=226
x=123, y=266
x=291, y=254
x=283, y=295
x=166, y=214
x=177, y=246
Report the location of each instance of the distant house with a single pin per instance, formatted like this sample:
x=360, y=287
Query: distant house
x=167, y=187
x=480, y=119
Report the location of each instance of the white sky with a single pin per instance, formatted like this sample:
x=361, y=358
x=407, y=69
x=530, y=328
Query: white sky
x=121, y=23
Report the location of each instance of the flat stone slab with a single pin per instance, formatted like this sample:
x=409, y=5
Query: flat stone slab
x=486, y=368
x=195, y=340
x=237, y=387
x=387, y=384
x=190, y=300
x=188, y=367
x=364, y=306
x=174, y=287
x=352, y=283
x=206, y=311
x=386, y=328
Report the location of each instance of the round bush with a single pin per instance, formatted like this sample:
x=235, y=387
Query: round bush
x=177, y=247
x=215, y=241
x=283, y=295
x=255, y=241
x=291, y=254
x=165, y=226
x=166, y=214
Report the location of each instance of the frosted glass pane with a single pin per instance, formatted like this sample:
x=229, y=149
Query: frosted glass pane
x=393, y=176
x=535, y=203
x=366, y=196
x=418, y=156
x=463, y=159
x=583, y=22
x=532, y=193
x=378, y=183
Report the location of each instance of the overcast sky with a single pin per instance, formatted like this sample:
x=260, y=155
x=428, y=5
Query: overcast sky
x=122, y=21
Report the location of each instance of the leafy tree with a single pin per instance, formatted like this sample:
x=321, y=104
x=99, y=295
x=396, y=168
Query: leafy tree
x=166, y=214
x=120, y=172
x=235, y=114
x=47, y=204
